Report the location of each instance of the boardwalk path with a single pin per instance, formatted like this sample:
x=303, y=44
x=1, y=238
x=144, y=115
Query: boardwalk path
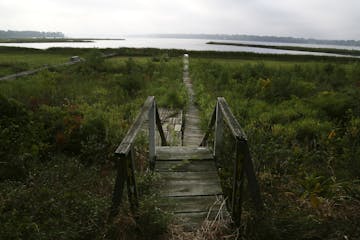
x=191, y=186
x=192, y=132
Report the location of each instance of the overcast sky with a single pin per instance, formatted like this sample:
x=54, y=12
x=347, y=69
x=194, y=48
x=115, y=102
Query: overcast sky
x=326, y=19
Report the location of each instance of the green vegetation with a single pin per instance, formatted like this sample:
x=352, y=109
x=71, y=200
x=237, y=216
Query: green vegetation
x=294, y=48
x=302, y=120
x=59, y=129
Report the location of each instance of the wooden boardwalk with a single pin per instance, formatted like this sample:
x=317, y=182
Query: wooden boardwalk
x=191, y=186
x=192, y=135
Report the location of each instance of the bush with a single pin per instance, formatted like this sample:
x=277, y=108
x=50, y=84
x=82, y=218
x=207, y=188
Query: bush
x=17, y=139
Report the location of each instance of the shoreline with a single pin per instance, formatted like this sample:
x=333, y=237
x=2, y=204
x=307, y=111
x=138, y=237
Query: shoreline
x=56, y=40
x=355, y=53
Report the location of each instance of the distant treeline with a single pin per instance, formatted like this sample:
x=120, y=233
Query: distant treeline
x=238, y=37
x=30, y=34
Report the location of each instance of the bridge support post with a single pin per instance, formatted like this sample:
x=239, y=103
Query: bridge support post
x=238, y=184
x=121, y=167
x=253, y=184
x=152, y=140
x=219, y=124
x=131, y=181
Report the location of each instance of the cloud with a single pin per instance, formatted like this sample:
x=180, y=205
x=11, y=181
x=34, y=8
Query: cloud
x=306, y=18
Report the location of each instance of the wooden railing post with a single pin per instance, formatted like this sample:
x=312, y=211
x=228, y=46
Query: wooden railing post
x=159, y=126
x=238, y=183
x=131, y=181
x=218, y=140
x=209, y=128
x=152, y=136
x=253, y=184
x=121, y=168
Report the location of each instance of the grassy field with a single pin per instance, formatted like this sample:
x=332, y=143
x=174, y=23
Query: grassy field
x=59, y=129
x=302, y=120
x=14, y=60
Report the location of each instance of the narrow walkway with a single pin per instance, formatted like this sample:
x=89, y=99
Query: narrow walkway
x=192, y=132
x=190, y=184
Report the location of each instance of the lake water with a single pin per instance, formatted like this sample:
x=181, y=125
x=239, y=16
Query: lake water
x=175, y=43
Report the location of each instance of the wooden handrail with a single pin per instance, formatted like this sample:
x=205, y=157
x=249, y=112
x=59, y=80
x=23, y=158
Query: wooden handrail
x=230, y=119
x=243, y=165
x=126, y=155
x=128, y=140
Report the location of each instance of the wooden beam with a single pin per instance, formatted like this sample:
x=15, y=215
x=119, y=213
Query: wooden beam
x=118, y=188
x=230, y=119
x=219, y=130
x=131, y=181
x=238, y=182
x=253, y=184
x=152, y=135
x=209, y=128
x=159, y=127
x=125, y=145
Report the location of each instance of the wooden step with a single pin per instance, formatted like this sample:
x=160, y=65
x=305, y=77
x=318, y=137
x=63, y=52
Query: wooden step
x=185, y=166
x=182, y=153
x=191, y=188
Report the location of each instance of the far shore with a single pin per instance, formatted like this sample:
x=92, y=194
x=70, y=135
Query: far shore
x=293, y=48
x=52, y=40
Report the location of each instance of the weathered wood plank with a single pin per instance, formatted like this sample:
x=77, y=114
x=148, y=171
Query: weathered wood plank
x=188, y=176
x=191, y=187
x=129, y=139
x=230, y=119
x=182, y=153
x=185, y=165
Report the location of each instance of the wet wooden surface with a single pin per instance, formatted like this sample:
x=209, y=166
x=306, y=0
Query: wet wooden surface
x=193, y=134
x=191, y=186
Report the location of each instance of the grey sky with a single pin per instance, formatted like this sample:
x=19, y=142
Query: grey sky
x=330, y=19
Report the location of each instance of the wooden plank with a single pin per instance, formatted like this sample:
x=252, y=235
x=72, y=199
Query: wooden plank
x=209, y=128
x=219, y=124
x=230, y=119
x=152, y=135
x=159, y=126
x=180, y=153
x=130, y=136
x=185, y=165
x=191, y=187
x=188, y=176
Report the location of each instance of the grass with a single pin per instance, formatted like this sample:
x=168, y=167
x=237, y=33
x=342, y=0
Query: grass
x=59, y=129
x=303, y=131
x=61, y=126
x=14, y=60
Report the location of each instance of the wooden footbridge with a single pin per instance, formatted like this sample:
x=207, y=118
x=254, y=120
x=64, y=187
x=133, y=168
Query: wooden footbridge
x=191, y=187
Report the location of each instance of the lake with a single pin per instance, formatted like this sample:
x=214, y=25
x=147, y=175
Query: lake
x=176, y=43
